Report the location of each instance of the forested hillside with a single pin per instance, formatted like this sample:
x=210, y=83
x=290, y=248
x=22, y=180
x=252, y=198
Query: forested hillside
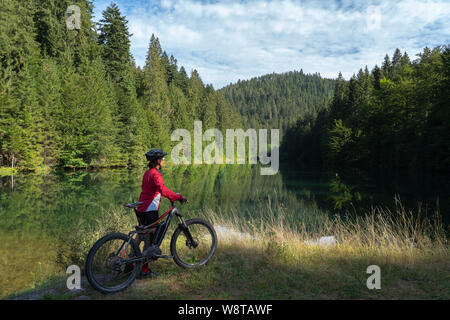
x=75, y=98
x=277, y=100
x=396, y=116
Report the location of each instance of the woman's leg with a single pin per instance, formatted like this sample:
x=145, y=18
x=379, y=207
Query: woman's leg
x=147, y=218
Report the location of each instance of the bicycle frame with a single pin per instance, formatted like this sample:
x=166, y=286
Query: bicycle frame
x=161, y=227
x=161, y=230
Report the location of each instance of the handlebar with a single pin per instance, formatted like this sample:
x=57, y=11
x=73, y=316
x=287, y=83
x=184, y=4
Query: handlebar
x=182, y=200
x=172, y=203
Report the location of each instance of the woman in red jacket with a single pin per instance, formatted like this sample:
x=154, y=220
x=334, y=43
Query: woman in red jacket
x=153, y=189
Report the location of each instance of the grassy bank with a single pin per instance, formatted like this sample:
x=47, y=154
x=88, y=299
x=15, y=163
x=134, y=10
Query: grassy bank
x=8, y=171
x=269, y=257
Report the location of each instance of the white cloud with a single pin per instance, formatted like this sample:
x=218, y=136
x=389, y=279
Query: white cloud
x=236, y=39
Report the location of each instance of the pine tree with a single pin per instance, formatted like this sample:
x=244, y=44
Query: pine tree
x=386, y=67
x=340, y=98
x=396, y=65
x=115, y=44
x=172, y=71
x=179, y=104
x=20, y=120
x=183, y=81
x=17, y=43
x=155, y=98
x=208, y=108
x=19, y=54
x=49, y=98
x=195, y=93
x=376, y=73
x=87, y=124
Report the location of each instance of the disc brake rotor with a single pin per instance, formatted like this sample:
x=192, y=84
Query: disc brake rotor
x=114, y=262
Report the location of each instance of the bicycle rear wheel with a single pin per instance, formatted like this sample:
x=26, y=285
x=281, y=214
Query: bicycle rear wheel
x=191, y=255
x=106, y=267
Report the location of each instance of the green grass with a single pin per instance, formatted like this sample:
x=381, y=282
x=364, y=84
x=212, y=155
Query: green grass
x=252, y=271
x=267, y=258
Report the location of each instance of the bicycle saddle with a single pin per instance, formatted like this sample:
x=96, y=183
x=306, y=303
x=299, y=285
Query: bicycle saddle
x=133, y=205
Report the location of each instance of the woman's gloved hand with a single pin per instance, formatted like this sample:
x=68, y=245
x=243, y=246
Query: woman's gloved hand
x=183, y=199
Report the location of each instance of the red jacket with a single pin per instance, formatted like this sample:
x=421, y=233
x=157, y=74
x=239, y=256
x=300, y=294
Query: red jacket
x=152, y=189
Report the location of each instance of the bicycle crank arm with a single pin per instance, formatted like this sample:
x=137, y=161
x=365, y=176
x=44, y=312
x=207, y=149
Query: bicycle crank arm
x=165, y=257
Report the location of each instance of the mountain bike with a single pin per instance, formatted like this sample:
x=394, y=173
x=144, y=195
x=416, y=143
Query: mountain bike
x=115, y=260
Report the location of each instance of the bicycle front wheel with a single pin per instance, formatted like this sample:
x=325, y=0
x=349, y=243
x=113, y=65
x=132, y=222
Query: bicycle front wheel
x=188, y=254
x=106, y=267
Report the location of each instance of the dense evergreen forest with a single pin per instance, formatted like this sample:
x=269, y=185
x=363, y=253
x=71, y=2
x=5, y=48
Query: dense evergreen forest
x=277, y=100
x=75, y=98
x=396, y=116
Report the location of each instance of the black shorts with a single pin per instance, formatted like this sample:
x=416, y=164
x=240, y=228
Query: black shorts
x=146, y=218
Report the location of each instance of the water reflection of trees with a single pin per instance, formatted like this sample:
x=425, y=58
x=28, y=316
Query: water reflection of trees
x=57, y=201
x=358, y=192
x=328, y=191
x=343, y=195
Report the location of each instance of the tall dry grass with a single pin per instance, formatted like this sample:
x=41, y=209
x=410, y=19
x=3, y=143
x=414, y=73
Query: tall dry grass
x=73, y=247
x=398, y=233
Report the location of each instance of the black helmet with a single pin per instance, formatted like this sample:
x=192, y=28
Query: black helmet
x=155, y=154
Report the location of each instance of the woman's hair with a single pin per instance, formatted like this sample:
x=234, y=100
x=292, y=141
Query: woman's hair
x=153, y=163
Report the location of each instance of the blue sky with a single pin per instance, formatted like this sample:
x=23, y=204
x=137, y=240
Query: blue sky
x=240, y=39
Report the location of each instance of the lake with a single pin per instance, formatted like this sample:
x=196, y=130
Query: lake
x=35, y=208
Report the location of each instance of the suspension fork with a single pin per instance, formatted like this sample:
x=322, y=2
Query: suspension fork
x=185, y=229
